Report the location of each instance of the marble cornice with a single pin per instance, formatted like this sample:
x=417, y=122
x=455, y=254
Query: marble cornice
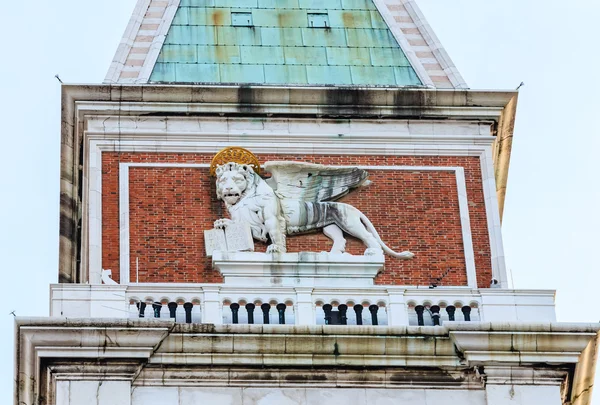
x=508, y=351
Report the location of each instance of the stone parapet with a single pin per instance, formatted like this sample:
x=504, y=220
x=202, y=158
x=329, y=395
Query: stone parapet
x=211, y=303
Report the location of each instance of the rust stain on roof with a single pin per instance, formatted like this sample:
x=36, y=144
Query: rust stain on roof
x=217, y=17
x=348, y=19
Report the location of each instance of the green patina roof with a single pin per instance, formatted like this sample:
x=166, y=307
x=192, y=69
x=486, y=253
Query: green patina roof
x=356, y=48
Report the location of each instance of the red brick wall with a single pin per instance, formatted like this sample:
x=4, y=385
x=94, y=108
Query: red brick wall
x=412, y=210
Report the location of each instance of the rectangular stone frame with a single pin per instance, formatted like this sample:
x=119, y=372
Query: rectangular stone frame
x=144, y=139
x=461, y=188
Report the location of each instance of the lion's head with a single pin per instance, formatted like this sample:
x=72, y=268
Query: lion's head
x=234, y=180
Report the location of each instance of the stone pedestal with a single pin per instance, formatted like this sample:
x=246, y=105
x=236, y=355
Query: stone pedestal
x=297, y=269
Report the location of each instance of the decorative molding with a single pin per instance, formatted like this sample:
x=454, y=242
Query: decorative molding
x=124, y=256
x=124, y=239
x=280, y=107
x=498, y=266
x=517, y=375
x=59, y=338
x=276, y=377
x=484, y=343
x=139, y=145
x=410, y=102
x=143, y=352
x=302, y=346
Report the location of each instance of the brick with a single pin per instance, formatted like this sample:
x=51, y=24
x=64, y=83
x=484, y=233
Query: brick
x=129, y=74
x=415, y=210
x=134, y=62
x=149, y=27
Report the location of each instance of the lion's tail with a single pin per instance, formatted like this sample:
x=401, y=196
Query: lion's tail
x=386, y=249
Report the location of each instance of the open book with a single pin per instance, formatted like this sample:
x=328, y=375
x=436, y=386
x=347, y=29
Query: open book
x=236, y=237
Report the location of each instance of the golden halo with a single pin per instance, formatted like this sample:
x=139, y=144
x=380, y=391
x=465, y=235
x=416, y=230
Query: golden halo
x=237, y=155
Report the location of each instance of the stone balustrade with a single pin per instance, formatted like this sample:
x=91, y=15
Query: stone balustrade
x=373, y=305
x=364, y=312
x=182, y=312
x=430, y=313
x=259, y=311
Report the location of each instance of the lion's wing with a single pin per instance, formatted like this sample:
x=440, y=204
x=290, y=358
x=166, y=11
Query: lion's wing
x=313, y=182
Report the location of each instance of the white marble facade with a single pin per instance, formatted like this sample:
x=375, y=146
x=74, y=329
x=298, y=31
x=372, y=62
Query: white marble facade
x=120, y=393
x=305, y=396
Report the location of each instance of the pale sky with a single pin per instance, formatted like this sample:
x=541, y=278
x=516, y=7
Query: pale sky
x=551, y=220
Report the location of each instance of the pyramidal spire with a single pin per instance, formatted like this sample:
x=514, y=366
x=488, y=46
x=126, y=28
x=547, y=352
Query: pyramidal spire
x=295, y=42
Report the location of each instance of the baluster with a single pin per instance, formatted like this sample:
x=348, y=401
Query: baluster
x=142, y=308
x=419, y=310
x=358, y=310
x=435, y=315
x=450, y=310
x=281, y=310
x=327, y=309
x=156, y=307
x=266, y=308
x=373, y=309
x=172, y=309
x=188, y=311
x=250, y=309
x=235, y=308
x=466, y=310
x=343, y=318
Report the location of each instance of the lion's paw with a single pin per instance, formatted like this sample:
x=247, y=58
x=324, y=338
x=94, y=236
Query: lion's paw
x=275, y=249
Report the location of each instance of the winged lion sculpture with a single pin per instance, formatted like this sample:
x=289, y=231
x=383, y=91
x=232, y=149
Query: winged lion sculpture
x=298, y=198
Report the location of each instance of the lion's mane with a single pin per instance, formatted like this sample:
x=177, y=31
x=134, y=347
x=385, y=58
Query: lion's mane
x=252, y=179
x=247, y=206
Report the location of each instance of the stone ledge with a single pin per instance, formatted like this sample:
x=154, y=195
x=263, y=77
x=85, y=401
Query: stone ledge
x=300, y=377
x=520, y=342
x=297, y=269
x=77, y=339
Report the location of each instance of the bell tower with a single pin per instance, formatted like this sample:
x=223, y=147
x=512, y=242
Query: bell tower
x=290, y=202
